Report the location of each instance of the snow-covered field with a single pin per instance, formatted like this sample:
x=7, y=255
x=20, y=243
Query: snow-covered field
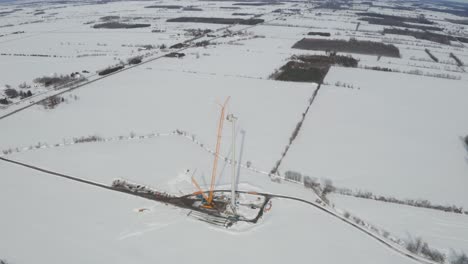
x=52, y=220
x=160, y=162
x=396, y=134
x=446, y=231
x=147, y=100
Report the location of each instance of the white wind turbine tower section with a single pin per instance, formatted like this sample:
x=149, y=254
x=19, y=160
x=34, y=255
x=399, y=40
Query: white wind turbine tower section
x=231, y=118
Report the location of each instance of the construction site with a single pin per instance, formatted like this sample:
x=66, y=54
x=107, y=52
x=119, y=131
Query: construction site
x=217, y=207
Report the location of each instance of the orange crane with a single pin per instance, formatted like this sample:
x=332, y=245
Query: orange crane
x=200, y=191
x=209, y=199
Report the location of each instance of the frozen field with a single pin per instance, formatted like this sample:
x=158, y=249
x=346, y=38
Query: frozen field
x=160, y=162
x=393, y=126
x=90, y=225
x=446, y=231
x=397, y=138
x=66, y=36
x=146, y=100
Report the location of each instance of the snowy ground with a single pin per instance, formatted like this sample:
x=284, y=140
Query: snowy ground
x=147, y=100
x=446, y=231
x=395, y=134
x=148, y=161
x=399, y=138
x=59, y=221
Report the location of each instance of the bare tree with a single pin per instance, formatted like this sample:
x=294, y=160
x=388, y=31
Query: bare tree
x=459, y=258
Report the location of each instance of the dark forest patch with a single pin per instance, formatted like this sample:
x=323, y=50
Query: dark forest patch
x=217, y=20
x=351, y=46
x=406, y=8
x=4, y=13
x=178, y=46
x=311, y=68
x=165, y=6
x=457, y=12
x=256, y=4
x=243, y=14
x=135, y=60
x=458, y=21
x=333, y=5
x=230, y=7
x=429, y=53
x=322, y=34
x=53, y=80
x=419, y=19
x=397, y=23
x=109, y=18
x=175, y=55
x=457, y=60
x=192, y=8
x=110, y=70
x=117, y=25
x=425, y=35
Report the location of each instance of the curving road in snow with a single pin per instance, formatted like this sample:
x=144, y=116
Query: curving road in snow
x=393, y=247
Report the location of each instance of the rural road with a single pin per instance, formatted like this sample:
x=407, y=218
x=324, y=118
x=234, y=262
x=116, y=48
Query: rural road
x=178, y=201
x=128, y=67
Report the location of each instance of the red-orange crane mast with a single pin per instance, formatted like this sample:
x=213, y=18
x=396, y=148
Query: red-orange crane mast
x=218, y=145
x=209, y=199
